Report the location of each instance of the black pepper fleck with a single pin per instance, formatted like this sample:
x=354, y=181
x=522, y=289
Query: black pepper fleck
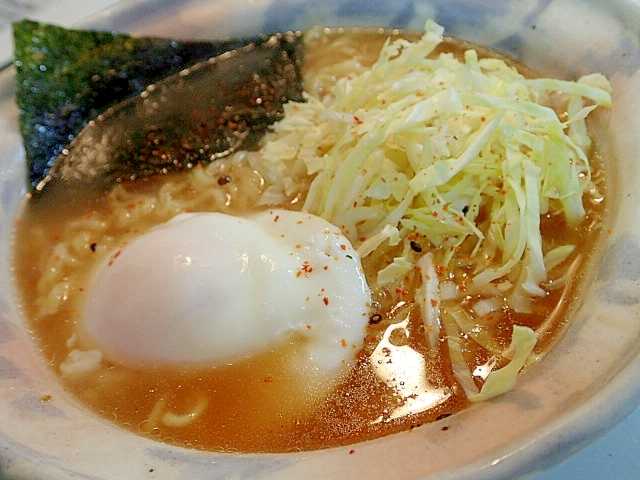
x=415, y=246
x=93, y=247
x=224, y=179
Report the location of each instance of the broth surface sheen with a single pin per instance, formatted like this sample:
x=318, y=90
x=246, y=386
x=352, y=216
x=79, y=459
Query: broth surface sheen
x=257, y=404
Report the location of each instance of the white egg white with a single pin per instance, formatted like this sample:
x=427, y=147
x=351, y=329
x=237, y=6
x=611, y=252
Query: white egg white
x=210, y=288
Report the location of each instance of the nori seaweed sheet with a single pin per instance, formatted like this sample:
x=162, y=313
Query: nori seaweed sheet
x=205, y=112
x=67, y=77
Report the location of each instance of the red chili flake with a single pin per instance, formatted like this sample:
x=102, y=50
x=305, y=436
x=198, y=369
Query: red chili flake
x=401, y=291
x=305, y=268
x=268, y=379
x=276, y=218
x=309, y=327
x=343, y=246
x=325, y=300
x=362, y=239
x=441, y=270
x=326, y=267
x=357, y=120
x=434, y=303
x=351, y=452
x=115, y=255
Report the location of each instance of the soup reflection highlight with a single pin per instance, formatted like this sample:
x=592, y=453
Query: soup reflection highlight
x=327, y=311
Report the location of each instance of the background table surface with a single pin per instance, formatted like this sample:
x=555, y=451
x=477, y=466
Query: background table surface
x=615, y=456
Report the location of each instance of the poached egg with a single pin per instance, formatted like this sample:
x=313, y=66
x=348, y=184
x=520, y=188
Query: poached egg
x=211, y=288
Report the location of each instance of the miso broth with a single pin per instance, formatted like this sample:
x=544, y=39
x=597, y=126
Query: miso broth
x=256, y=404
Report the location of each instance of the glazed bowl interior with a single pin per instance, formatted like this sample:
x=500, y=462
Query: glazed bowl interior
x=589, y=381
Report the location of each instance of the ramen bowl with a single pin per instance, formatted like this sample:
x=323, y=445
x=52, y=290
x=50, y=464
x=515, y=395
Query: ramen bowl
x=587, y=383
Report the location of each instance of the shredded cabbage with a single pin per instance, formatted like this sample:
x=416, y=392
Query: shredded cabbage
x=419, y=145
x=496, y=382
x=502, y=380
x=428, y=297
x=465, y=154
